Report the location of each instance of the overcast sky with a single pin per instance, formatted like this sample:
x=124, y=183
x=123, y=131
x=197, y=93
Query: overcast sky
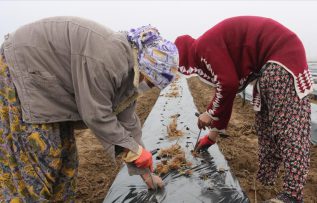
x=172, y=18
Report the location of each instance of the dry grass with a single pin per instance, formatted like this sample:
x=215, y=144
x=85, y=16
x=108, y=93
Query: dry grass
x=172, y=129
x=173, y=158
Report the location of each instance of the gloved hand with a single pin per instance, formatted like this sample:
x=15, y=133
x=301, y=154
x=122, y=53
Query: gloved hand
x=204, y=143
x=144, y=160
x=152, y=181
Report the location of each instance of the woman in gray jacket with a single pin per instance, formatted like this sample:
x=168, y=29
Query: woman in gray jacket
x=60, y=70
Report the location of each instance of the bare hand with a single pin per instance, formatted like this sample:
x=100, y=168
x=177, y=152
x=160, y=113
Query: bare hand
x=204, y=120
x=152, y=181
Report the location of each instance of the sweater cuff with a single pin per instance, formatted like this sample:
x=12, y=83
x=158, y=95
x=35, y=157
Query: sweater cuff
x=130, y=144
x=213, y=128
x=217, y=130
x=209, y=113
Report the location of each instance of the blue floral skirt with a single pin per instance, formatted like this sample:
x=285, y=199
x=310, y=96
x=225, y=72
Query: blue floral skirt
x=38, y=162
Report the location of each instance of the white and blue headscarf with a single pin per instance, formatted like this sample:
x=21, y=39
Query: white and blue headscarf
x=157, y=57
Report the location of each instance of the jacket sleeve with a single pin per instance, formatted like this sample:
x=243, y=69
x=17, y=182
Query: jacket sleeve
x=226, y=79
x=95, y=83
x=131, y=122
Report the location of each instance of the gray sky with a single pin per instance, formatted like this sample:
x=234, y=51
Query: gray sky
x=172, y=18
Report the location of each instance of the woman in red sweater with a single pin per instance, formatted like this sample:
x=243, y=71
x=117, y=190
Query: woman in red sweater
x=229, y=56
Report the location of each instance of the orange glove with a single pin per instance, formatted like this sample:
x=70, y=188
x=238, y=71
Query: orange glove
x=204, y=143
x=144, y=160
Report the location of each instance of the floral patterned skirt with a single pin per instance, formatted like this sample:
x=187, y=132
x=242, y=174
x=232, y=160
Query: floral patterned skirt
x=38, y=163
x=284, y=130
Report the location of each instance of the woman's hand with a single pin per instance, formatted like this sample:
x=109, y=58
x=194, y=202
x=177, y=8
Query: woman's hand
x=141, y=159
x=144, y=160
x=204, y=120
x=152, y=181
x=206, y=141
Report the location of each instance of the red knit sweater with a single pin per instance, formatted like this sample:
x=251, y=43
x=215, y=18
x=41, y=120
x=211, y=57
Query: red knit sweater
x=230, y=51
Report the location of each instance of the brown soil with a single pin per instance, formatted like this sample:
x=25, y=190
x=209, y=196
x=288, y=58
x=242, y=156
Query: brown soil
x=313, y=99
x=97, y=172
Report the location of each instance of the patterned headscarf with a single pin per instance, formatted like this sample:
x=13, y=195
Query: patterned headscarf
x=157, y=57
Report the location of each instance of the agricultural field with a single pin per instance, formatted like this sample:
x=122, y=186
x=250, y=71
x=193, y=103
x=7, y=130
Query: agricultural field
x=97, y=171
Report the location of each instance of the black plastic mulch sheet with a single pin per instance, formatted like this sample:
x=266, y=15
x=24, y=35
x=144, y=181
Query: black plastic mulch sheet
x=211, y=180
